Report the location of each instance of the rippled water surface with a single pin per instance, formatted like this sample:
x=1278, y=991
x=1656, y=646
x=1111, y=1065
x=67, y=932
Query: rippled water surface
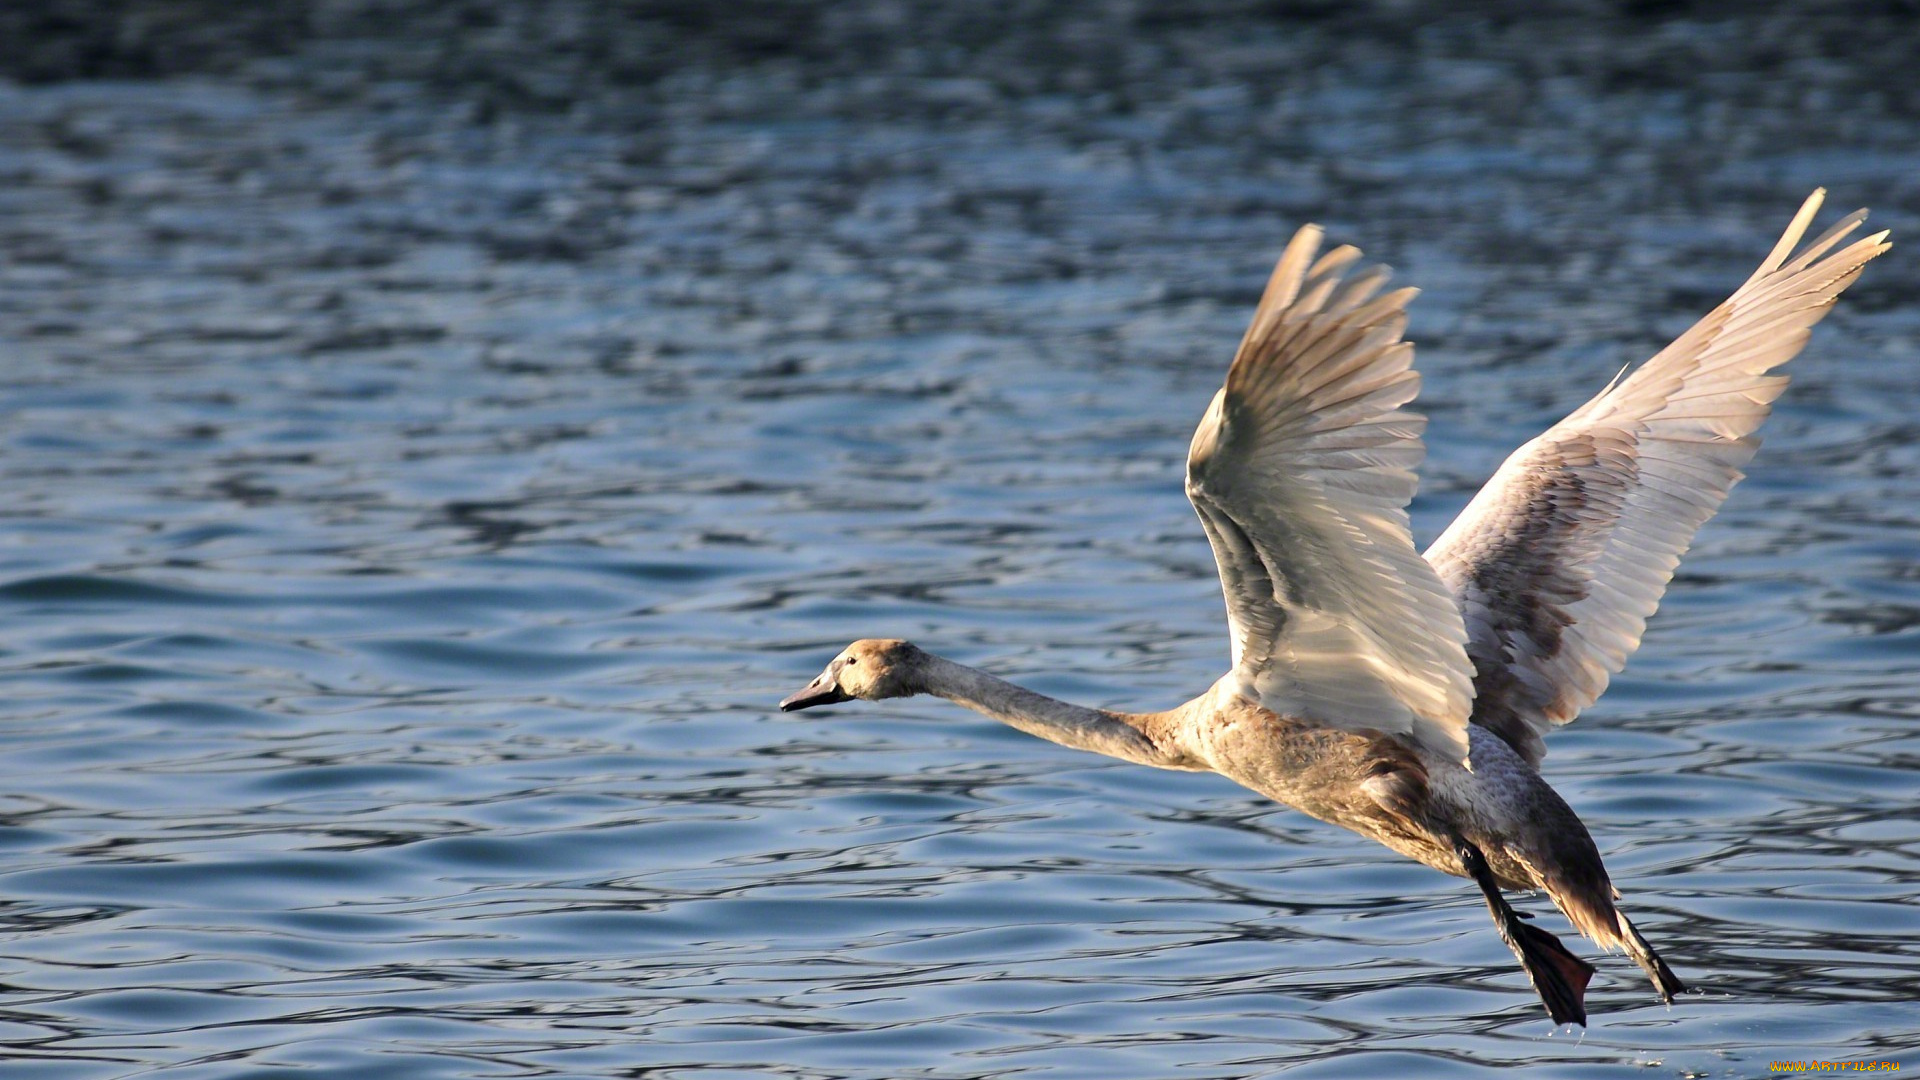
x=430, y=451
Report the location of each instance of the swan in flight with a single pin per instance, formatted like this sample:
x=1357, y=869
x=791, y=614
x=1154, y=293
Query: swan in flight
x=1404, y=697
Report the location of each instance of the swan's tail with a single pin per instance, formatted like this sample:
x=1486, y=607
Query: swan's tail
x=1587, y=900
x=1545, y=841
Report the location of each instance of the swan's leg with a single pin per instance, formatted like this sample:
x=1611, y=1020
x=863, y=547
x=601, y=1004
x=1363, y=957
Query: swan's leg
x=1559, y=977
x=1665, y=982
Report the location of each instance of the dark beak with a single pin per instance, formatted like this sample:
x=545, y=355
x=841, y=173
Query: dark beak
x=821, y=691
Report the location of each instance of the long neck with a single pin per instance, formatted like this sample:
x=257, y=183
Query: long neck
x=1123, y=735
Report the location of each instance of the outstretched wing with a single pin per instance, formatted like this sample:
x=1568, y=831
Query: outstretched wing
x=1561, y=558
x=1301, y=471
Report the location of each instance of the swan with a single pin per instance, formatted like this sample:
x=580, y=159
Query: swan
x=1404, y=697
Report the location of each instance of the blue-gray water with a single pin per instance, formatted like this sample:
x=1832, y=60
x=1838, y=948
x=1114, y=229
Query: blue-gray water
x=426, y=462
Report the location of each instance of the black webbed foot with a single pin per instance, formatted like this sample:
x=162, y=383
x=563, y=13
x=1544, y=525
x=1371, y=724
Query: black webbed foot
x=1559, y=977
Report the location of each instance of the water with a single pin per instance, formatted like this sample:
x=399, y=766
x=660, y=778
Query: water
x=427, y=466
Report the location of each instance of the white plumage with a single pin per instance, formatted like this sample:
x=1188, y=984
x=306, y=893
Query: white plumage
x=1401, y=697
x=1561, y=558
x=1301, y=471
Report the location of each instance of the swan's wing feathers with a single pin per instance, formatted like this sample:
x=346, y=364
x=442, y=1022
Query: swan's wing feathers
x=1561, y=558
x=1301, y=471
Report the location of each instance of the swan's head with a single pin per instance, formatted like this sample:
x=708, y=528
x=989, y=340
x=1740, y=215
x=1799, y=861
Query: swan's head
x=870, y=669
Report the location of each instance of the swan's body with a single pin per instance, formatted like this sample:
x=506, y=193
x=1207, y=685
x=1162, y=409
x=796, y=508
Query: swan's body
x=1404, y=697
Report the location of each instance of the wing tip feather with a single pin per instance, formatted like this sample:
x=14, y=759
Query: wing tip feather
x=1790, y=239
